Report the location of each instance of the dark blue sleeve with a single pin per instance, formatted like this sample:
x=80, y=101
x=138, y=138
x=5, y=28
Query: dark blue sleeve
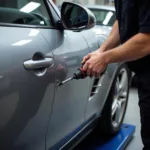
x=144, y=16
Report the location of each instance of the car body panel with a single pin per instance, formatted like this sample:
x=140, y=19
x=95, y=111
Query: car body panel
x=102, y=30
x=69, y=108
x=92, y=102
x=25, y=99
x=96, y=102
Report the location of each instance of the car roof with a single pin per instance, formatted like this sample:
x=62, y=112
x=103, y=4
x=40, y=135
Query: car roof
x=112, y=8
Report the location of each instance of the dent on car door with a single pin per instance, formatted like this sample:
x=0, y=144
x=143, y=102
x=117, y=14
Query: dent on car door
x=26, y=90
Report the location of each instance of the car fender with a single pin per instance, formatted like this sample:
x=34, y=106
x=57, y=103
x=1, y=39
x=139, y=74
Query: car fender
x=91, y=39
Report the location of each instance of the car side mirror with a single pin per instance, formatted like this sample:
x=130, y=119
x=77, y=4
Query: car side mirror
x=76, y=17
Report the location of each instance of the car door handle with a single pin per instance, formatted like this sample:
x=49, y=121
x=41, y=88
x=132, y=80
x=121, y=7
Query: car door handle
x=37, y=64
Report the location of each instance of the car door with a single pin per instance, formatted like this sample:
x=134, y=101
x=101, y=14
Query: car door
x=67, y=117
x=27, y=75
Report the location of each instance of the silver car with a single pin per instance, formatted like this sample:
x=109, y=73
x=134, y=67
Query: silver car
x=40, y=47
x=105, y=18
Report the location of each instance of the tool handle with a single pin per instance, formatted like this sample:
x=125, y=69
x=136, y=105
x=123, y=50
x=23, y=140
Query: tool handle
x=80, y=74
x=84, y=73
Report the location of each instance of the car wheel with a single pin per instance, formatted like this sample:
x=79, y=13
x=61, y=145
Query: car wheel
x=116, y=103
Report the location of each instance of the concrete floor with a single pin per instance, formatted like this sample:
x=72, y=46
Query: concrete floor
x=133, y=117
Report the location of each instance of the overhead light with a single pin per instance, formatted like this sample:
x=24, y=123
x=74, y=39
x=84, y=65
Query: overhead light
x=34, y=32
x=30, y=7
x=109, y=15
x=21, y=42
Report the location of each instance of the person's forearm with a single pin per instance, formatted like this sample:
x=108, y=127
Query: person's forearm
x=135, y=48
x=113, y=39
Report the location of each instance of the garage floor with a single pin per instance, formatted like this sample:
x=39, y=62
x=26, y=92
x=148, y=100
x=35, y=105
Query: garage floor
x=133, y=117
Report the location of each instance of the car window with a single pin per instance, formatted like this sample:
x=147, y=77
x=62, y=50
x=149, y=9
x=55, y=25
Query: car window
x=104, y=17
x=27, y=12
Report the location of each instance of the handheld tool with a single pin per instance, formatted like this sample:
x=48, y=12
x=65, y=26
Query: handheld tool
x=80, y=74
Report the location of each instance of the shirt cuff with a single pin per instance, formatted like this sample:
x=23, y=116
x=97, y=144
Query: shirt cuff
x=144, y=29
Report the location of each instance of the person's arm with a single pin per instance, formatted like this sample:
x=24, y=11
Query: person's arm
x=139, y=45
x=113, y=39
x=135, y=48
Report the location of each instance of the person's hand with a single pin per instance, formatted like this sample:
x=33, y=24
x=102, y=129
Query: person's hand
x=94, y=63
x=100, y=50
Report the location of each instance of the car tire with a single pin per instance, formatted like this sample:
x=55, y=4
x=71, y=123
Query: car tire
x=115, y=107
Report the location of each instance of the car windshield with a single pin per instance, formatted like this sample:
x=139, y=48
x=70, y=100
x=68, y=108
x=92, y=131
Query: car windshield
x=104, y=17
